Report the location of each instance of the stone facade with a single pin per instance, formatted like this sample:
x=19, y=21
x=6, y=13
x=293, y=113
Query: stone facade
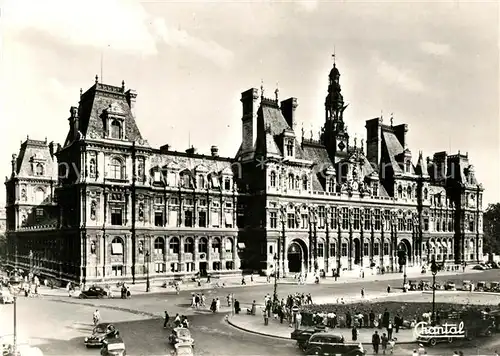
x=115, y=209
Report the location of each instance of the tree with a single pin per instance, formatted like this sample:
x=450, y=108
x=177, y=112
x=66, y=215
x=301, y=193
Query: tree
x=491, y=229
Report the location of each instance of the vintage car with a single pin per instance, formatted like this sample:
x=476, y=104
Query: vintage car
x=413, y=284
x=93, y=292
x=6, y=297
x=302, y=336
x=325, y=343
x=481, y=286
x=424, y=285
x=467, y=285
x=183, y=349
x=450, y=285
x=181, y=335
x=101, y=332
x=494, y=287
x=113, y=347
x=479, y=268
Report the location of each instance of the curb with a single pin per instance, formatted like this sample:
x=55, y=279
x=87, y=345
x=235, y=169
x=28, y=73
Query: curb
x=289, y=338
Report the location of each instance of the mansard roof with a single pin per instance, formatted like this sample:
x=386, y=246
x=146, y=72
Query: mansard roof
x=38, y=151
x=192, y=163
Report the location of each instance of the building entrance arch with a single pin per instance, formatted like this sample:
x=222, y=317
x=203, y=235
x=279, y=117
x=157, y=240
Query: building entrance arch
x=404, y=248
x=297, y=256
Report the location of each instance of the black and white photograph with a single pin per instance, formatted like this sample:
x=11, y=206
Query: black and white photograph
x=254, y=177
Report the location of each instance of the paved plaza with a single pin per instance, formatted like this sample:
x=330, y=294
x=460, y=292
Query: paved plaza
x=58, y=324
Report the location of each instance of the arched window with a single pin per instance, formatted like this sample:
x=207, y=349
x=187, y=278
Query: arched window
x=229, y=245
x=291, y=181
x=203, y=245
x=116, y=169
x=216, y=245
x=408, y=192
x=272, y=177
x=92, y=168
x=189, y=245
x=400, y=192
x=116, y=129
x=39, y=169
x=159, y=246
x=117, y=246
x=39, y=195
x=304, y=182
x=426, y=193
x=173, y=245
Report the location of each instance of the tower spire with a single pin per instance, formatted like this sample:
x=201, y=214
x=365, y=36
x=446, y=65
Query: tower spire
x=333, y=56
x=277, y=91
x=262, y=88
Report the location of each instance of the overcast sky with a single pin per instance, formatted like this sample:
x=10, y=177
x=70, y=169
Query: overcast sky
x=434, y=65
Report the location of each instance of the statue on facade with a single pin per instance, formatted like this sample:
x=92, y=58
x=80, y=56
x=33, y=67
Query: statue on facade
x=93, y=208
x=141, y=247
x=141, y=212
x=24, y=197
x=92, y=247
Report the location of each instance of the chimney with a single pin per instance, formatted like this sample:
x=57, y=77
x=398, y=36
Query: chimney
x=191, y=150
x=288, y=107
x=51, y=148
x=249, y=100
x=131, y=96
x=374, y=141
x=73, y=121
x=215, y=151
x=400, y=132
x=165, y=148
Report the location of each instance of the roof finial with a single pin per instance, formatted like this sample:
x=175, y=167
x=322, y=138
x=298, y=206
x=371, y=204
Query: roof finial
x=362, y=144
x=302, y=130
x=311, y=131
x=382, y=115
x=123, y=85
x=392, y=118
x=333, y=56
x=81, y=91
x=277, y=91
x=355, y=141
x=262, y=88
x=96, y=79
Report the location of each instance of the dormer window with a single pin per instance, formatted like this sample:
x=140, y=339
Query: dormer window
x=408, y=167
x=330, y=185
x=201, y=181
x=39, y=171
x=227, y=183
x=289, y=148
x=400, y=192
x=115, y=129
x=304, y=182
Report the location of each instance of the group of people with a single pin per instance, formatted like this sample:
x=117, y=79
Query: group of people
x=179, y=321
x=197, y=300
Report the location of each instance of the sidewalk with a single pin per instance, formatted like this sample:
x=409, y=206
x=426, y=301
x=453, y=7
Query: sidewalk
x=255, y=324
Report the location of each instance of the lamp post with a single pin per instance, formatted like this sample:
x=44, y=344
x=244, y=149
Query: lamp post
x=434, y=270
x=275, y=294
x=15, y=324
x=147, y=272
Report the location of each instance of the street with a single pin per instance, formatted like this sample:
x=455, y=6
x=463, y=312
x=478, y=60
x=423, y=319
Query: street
x=58, y=324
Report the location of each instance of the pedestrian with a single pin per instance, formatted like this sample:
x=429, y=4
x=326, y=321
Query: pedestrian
x=392, y=343
x=197, y=301
x=177, y=320
x=236, y=306
x=354, y=332
x=375, y=342
x=362, y=292
x=217, y=304
x=421, y=350
x=213, y=306
x=397, y=323
x=384, y=341
x=167, y=317
x=96, y=317
x=243, y=283
x=388, y=289
x=298, y=320
x=389, y=331
x=266, y=317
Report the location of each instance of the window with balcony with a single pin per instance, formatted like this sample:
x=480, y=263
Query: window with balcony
x=229, y=265
x=273, y=220
x=304, y=218
x=202, y=218
x=216, y=245
x=159, y=267
x=116, y=217
x=227, y=183
x=203, y=245
x=426, y=223
x=159, y=246
x=188, y=218
x=330, y=185
x=117, y=270
x=387, y=220
x=409, y=224
x=401, y=224
x=333, y=249
x=289, y=148
x=400, y=192
x=174, y=246
x=201, y=181
x=229, y=245
x=117, y=246
x=39, y=171
x=333, y=218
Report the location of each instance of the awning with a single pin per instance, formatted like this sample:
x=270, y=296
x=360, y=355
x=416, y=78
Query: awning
x=229, y=218
x=117, y=249
x=241, y=245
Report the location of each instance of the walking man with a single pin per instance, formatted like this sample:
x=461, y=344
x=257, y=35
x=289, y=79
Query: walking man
x=375, y=342
x=167, y=317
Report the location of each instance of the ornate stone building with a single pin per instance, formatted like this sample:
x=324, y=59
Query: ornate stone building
x=114, y=208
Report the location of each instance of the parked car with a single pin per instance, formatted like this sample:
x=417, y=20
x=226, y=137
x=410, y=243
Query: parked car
x=466, y=285
x=479, y=268
x=181, y=335
x=6, y=297
x=494, y=287
x=332, y=344
x=113, y=347
x=450, y=286
x=481, y=286
x=183, y=349
x=302, y=336
x=101, y=332
x=93, y=292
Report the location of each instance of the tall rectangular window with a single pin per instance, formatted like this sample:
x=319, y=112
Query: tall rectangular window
x=356, y=217
x=273, y=220
x=321, y=217
x=377, y=218
x=202, y=219
x=333, y=249
x=426, y=223
x=366, y=250
x=291, y=220
x=333, y=218
x=344, y=249
x=387, y=220
x=321, y=249
x=368, y=221
x=305, y=221
x=188, y=218
x=116, y=217
x=386, y=248
x=376, y=249
x=345, y=218
x=409, y=224
x=401, y=224
x=158, y=218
